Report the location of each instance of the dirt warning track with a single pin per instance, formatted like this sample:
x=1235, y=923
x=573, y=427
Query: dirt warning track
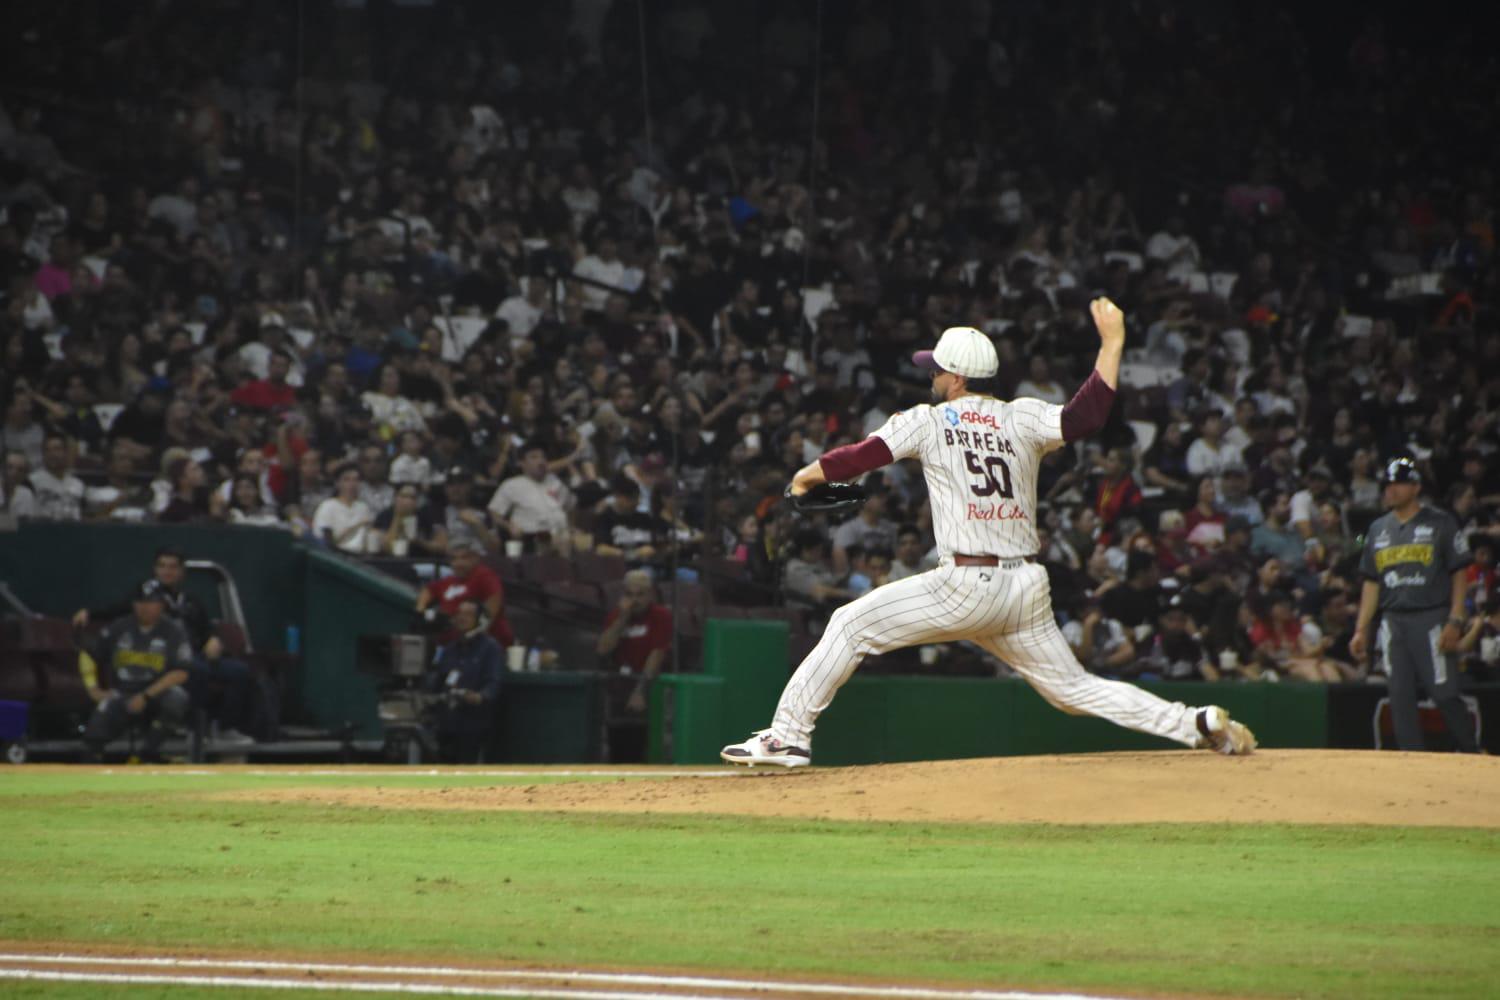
x=1274, y=786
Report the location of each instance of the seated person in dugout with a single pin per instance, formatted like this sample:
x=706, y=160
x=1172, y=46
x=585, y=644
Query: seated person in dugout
x=467, y=672
x=221, y=685
x=145, y=657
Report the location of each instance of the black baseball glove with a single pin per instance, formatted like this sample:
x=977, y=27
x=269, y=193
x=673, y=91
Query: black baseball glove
x=827, y=497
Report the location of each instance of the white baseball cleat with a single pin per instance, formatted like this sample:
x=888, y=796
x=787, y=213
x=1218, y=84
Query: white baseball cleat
x=1222, y=734
x=763, y=748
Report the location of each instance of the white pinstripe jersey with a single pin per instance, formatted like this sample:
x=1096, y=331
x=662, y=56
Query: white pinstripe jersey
x=979, y=455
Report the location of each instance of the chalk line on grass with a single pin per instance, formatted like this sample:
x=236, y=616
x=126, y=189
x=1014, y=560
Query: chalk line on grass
x=419, y=979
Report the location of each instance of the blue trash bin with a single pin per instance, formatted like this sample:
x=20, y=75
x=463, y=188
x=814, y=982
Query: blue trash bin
x=13, y=715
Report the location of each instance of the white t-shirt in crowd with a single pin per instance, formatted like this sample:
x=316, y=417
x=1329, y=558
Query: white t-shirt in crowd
x=611, y=273
x=533, y=506
x=19, y=502
x=1203, y=459
x=410, y=469
x=521, y=317
x=58, y=499
x=336, y=517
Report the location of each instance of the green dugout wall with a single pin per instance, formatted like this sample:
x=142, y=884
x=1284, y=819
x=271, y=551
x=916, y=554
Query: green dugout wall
x=329, y=601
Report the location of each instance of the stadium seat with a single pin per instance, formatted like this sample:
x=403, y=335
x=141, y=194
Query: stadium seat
x=594, y=568
x=540, y=569
x=569, y=595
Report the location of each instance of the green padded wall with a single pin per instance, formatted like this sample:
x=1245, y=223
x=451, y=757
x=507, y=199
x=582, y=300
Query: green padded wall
x=57, y=568
x=876, y=719
x=344, y=601
x=751, y=657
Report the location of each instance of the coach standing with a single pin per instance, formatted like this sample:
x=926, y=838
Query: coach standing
x=1413, y=565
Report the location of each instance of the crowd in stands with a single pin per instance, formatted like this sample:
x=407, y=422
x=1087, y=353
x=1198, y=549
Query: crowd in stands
x=395, y=278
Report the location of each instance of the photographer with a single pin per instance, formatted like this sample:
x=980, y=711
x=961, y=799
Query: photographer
x=467, y=672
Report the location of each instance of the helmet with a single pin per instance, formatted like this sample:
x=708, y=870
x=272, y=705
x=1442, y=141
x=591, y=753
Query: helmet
x=1401, y=470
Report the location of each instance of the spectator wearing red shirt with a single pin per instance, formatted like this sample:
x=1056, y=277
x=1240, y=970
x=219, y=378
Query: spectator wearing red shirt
x=636, y=639
x=272, y=391
x=1117, y=494
x=470, y=581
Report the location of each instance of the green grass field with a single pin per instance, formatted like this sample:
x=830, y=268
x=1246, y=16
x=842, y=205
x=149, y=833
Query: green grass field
x=154, y=861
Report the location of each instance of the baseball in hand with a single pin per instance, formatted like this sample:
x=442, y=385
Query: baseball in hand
x=1108, y=319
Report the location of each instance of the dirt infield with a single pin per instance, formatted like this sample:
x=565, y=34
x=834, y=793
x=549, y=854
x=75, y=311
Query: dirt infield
x=1277, y=786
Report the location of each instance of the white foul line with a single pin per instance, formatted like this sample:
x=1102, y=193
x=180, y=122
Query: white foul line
x=577, y=975
x=240, y=982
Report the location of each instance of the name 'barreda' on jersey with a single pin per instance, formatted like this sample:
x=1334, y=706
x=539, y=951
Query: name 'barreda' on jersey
x=983, y=452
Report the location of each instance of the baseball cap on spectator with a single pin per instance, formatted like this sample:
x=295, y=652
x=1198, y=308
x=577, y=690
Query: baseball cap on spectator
x=1319, y=471
x=1236, y=523
x=459, y=474
x=961, y=350
x=272, y=318
x=151, y=590
x=653, y=462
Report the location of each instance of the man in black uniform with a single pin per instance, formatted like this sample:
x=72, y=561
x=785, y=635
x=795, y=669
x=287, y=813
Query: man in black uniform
x=147, y=656
x=1413, y=565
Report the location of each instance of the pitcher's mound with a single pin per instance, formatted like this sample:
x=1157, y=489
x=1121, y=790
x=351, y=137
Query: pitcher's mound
x=1272, y=786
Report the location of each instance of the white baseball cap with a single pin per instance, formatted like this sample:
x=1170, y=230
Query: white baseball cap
x=961, y=350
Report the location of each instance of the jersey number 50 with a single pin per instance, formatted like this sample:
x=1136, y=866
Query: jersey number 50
x=989, y=482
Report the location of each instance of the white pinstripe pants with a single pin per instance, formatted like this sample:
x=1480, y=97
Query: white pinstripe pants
x=1006, y=611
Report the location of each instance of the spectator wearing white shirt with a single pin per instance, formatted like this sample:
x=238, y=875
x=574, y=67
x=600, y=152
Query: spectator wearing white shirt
x=59, y=493
x=389, y=409
x=534, y=503
x=523, y=312
x=603, y=266
x=343, y=520
x=411, y=466
x=16, y=495
x=1175, y=248
x=1210, y=454
x=273, y=339
x=1305, y=501
x=1239, y=435
x=21, y=431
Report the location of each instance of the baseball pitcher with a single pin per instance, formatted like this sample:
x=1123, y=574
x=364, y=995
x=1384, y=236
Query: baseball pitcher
x=979, y=455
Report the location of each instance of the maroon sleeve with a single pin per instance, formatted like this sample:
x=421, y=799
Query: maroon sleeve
x=843, y=464
x=1086, y=412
